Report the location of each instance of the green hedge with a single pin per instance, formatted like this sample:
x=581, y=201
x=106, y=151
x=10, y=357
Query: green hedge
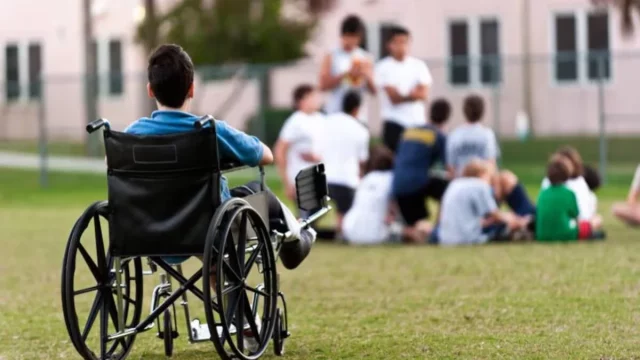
x=274, y=118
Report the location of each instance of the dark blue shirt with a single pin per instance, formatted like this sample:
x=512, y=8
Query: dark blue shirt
x=420, y=148
x=232, y=144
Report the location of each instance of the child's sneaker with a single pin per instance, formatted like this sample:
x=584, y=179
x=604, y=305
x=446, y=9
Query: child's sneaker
x=250, y=342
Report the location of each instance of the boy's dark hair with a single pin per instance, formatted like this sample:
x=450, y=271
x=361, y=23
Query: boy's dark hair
x=300, y=92
x=573, y=155
x=170, y=75
x=397, y=31
x=592, y=177
x=557, y=172
x=440, y=111
x=380, y=159
x=351, y=101
x=352, y=25
x=473, y=108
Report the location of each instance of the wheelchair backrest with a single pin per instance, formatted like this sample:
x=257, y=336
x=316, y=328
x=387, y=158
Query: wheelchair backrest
x=163, y=191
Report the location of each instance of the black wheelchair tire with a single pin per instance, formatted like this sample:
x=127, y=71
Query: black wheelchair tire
x=167, y=333
x=219, y=231
x=278, y=335
x=119, y=349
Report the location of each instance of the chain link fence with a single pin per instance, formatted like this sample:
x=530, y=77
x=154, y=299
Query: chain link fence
x=589, y=101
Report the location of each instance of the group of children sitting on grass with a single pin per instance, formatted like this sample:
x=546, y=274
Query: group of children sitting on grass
x=381, y=195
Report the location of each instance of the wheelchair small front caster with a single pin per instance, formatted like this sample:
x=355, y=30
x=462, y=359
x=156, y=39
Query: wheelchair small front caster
x=280, y=333
x=168, y=333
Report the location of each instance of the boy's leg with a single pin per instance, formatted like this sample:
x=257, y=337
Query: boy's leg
x=295, y=249
x=628, y=213
x=512, y=191
x=343, y=197
x=392, y=134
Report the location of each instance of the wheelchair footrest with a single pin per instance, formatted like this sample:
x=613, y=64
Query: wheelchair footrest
x=200, y=331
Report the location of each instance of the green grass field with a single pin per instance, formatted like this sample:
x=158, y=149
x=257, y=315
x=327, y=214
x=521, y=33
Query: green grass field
x=525, y=301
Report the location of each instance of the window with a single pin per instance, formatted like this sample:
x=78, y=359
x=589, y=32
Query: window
x=35, y=71
x=566, y=64
x=116, y=81
x=489, y=52
x=459, y=70
x=12, y=73
x=582, y=46
x=599, y=57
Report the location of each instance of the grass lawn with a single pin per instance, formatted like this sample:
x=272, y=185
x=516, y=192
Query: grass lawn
x=526, y=301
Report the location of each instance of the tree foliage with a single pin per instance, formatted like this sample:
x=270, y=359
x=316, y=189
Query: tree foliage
x=234, y=31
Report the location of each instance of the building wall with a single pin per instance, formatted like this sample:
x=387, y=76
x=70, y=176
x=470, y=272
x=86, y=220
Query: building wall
x=556, y=109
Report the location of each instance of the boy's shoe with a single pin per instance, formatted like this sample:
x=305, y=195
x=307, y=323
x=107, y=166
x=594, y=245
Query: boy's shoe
x=249, y=341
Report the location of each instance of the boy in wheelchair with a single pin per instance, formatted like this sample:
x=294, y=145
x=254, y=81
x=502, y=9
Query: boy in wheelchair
x=170, y=74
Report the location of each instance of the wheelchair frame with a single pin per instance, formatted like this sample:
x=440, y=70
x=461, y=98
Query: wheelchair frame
x=109, y=271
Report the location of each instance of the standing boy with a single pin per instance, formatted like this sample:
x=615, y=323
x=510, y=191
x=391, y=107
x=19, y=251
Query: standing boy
x=405, y=83
x=344, y=145
x=295, y=148
x=347, y=68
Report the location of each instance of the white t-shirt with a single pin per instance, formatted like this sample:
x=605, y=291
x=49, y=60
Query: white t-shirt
x=341, y=62
x=298, y=131
x=587, y=200
x=365, y=223
x=404, y=76
x=343, y=143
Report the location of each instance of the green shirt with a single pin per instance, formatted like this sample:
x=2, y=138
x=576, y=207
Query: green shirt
x=557, y=210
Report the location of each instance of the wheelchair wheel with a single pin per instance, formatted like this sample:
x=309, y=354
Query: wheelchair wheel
x=278, y=335
x=240, y=253
x=89, y=290
x=167, y=333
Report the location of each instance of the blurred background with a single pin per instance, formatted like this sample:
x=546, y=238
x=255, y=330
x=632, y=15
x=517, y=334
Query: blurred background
x=551, y=71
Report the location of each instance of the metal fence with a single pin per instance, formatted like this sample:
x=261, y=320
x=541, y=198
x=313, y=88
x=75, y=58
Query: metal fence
x=588, y=96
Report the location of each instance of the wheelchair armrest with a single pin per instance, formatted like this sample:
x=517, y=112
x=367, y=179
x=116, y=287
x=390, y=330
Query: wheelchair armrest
x=230, y=165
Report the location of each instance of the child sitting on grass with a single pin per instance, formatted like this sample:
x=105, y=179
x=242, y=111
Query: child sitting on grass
x=469, y=213
x=557, y=207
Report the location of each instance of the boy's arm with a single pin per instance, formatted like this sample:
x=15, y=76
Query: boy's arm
x=327, y=81
x=241, y=147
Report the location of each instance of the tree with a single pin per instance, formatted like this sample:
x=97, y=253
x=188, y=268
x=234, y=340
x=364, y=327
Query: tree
x=233, y=31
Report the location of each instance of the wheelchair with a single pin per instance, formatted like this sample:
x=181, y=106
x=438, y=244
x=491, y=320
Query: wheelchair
x=164, y=201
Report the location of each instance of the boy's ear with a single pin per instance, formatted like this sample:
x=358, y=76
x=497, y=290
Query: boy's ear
x=150, y=92
x=191, y=90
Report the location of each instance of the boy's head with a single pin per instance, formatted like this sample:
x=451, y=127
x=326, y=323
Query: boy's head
x=592, y=177
x=351, y=103
x=558, y=171
x=398, y=42
x=473, y=108
x=351, y=32
x=440, y=112
x=170, y=75
x=305, y=98
x=477, y=168
x=380, y=159
x=576, y=160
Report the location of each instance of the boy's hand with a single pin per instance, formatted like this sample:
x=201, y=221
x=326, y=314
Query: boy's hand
x=311, y=157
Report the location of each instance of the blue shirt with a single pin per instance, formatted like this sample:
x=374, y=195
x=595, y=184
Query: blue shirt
x=232, y=144
x=419, y=149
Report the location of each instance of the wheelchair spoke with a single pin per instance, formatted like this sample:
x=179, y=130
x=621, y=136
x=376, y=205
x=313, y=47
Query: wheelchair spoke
x=256, y=291
x=242, y=242
x=252, y=259
x=231, y=289
x=104, y=327
x=92, y=265
x=95, y=309
x=240, y=326
x=251, y=320
x=234, y=300
x=99, y=245
x=86, y=290
x=234, y=261
x=233, y=272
